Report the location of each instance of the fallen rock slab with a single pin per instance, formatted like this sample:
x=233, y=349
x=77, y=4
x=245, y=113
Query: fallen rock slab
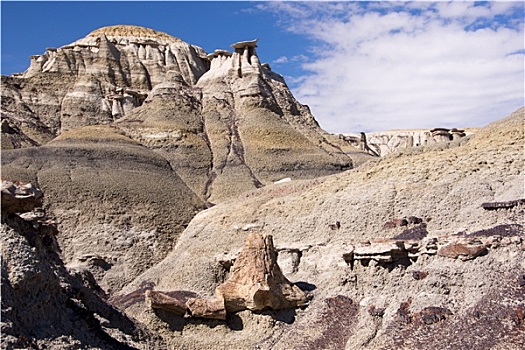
x=159, y=300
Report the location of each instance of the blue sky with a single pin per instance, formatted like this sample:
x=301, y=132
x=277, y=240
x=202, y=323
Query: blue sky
x=29, y=27
x=360, y=66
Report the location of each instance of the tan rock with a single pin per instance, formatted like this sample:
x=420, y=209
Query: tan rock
x=386, y=251
x=207, y=308
x=159, y=300
x=257, y=282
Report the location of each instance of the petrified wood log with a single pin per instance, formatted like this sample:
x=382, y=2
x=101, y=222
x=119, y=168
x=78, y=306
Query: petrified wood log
x=257, y=282
x=159, y=300
x=502, y=205
x=207, y=308
x=462, y=250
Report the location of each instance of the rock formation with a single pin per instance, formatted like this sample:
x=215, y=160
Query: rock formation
x=19, y=198
x=224, y=121
x=44, y=304
x=131, y=133
x=256, y=283
x=461, y=247
x=373, y=287
x=383, y=143
x=135, y=106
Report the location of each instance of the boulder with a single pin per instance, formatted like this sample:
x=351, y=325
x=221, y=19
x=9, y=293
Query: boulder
x=19, y=197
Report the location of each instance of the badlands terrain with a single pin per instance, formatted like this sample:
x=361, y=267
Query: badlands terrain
x=155, y=196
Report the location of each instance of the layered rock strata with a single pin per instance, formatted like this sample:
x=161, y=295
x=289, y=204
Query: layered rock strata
x=119, y=206
x=454, y=247
x=128, y=107
x=99, y=78
x=224, y=121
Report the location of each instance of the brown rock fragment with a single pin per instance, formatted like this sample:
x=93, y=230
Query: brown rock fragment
x=159, y=300
x=462, y=250
x=207, y=308
x=414, y=220
x=376, y=311
x=419, y=275
x=433, y=314
x=403, y=314
x=395, y=223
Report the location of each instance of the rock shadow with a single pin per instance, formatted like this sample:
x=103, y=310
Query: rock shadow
x=234, y=322
x=177, y=323
x=305, y=286
x=403, y=262
x=284, y=315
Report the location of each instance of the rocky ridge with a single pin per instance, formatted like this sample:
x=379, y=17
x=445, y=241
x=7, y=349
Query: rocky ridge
x=224, y=121
x=126, y=106
x=383, y=143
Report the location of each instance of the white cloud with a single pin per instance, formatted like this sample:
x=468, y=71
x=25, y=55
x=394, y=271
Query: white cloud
x=281, y=59
x=299, y=58
x=413, y=66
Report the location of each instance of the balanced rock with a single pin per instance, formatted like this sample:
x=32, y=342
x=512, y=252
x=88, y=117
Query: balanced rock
x=257, y=282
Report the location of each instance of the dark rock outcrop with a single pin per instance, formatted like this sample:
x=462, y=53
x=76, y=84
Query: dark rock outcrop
x=46, y=305
x=19, y=197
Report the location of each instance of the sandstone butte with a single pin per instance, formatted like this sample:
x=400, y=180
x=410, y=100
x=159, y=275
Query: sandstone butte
x=159, y=197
